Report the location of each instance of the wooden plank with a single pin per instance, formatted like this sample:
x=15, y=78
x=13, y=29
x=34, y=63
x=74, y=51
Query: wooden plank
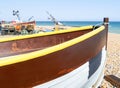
x=115, y=81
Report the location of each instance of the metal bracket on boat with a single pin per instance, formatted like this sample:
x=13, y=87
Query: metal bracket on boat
x=97, y=25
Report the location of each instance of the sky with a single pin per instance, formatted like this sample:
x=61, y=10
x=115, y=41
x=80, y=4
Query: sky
x=62, y=10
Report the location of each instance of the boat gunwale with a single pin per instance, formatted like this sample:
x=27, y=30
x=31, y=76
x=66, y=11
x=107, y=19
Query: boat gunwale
x=31, y=55
x=20, y=37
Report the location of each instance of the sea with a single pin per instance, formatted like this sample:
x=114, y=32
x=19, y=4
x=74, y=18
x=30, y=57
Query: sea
x=114, y=27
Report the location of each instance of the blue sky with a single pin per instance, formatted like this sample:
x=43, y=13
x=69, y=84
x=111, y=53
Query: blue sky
x=75, y=10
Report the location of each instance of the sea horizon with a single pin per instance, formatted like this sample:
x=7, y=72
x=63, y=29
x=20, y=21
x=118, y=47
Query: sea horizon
x=114, y=26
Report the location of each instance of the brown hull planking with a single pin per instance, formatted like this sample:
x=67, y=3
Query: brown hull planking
x=32, y=44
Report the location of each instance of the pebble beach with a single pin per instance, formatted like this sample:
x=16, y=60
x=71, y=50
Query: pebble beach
x=112, y=66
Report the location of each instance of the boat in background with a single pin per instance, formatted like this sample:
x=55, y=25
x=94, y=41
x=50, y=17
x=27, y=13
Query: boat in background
x=18, y=26
x=71, y=58
x=15, y=28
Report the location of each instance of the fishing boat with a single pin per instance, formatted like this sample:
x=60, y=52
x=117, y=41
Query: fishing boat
x=17, y=26
x=14, y=28
x=71, y=58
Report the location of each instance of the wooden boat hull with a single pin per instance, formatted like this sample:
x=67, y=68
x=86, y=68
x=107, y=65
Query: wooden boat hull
x=23, y=45
x=57, y=66
x=81, y=77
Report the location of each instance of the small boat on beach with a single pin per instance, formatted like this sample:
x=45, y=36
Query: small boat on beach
x=14, y=28
x=69, y=58
x=18, y=26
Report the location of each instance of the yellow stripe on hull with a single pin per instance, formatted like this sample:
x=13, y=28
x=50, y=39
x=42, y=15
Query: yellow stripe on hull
x=28, y=56
x=5, y=39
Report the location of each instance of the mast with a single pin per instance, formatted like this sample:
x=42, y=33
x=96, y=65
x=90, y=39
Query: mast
x=52, y=18
x=16, y=13
x=30, y=18
x=57, y=23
